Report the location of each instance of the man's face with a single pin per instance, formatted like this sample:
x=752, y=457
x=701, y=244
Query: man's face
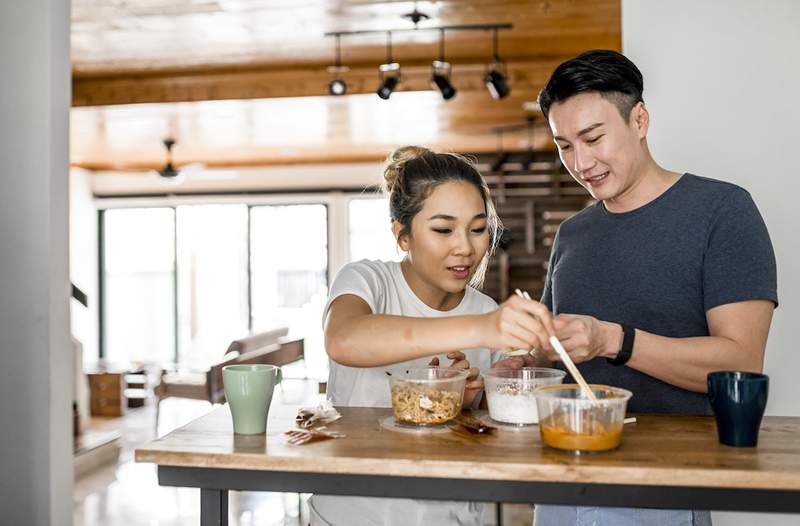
x=599, y=148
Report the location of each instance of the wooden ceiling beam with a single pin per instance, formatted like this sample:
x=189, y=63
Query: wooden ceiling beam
x=235, y=84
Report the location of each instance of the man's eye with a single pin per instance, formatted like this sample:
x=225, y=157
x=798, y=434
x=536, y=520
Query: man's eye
x=593, y=140
x=442, y=230
x=563, y=147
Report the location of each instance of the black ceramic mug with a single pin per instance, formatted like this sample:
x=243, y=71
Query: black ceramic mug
x=738, y=400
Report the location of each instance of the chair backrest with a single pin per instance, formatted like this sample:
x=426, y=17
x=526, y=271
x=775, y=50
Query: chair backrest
x=257, y=341
x=279, y=351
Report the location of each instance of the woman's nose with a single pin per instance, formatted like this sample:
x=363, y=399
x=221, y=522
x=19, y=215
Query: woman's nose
x=463, y=244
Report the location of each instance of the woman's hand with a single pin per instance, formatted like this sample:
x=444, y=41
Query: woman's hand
x=474, y=383
x=518, y=323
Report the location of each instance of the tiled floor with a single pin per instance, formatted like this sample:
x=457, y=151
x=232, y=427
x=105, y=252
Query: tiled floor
x=128, y=494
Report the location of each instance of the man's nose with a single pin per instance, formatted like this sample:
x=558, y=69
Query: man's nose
x=582, y=161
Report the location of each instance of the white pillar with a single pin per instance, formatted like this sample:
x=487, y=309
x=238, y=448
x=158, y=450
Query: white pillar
x=35, y=351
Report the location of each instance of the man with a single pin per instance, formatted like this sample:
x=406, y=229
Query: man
x=667, y=277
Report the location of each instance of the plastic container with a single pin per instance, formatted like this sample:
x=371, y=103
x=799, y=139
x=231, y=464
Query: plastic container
x=569, y=422
x=510, y=392
x=427, y=396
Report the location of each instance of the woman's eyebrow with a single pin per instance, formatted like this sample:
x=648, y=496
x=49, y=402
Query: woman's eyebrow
x=446, y=217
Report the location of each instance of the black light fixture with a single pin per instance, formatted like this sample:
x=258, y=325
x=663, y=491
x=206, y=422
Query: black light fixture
x=440, y=73
x=495, y=79
x=337, y=86
x=389, y=72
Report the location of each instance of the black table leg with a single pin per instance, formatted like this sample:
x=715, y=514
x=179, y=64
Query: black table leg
x=213, y=507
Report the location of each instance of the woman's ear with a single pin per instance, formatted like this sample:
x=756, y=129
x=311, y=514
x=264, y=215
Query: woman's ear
x=402, y=239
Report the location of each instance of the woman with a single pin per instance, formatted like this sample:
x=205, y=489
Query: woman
x=384, y=317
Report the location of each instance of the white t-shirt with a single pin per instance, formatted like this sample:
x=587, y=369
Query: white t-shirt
x=383, y=287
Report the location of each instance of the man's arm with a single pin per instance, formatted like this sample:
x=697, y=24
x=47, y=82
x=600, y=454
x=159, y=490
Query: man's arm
x=737, y=340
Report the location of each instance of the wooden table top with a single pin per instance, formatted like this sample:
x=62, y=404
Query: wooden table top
x=656, y=451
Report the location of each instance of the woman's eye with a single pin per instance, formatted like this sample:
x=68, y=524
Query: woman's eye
x=442, y=230
x=563, y=147
x=479, y=230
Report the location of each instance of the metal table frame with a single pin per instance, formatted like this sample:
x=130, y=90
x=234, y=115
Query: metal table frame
x=215, y=483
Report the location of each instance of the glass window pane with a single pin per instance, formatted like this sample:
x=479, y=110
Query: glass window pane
x=212, y=281
x=139, y=287
x=370, y=231
x=289, y=246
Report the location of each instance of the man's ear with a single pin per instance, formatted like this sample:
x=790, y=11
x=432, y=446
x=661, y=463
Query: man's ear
x=641, y=119
x=402, y=239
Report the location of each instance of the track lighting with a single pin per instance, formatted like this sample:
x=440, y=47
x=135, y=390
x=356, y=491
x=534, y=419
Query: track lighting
x=389, y=72
x=441, y=79
x=495, y=79
x=338, y=86
x=440, y=73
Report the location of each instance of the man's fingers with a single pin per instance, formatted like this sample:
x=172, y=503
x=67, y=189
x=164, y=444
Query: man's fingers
x=456, y=355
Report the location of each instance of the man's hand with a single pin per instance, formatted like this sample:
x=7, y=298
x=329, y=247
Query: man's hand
x=585, y=337
x=474, y=383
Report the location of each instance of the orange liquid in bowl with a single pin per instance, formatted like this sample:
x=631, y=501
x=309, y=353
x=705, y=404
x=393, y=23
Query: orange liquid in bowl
x=598, y=440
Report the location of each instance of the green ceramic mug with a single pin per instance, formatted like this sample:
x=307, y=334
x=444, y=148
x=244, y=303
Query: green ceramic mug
x=248, y=389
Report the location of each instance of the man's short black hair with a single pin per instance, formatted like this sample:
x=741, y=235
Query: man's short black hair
x=609, y=73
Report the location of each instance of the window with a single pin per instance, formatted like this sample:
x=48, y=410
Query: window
x=139, y=309
x=370, y=231
x=289, y=265
x=212, y=281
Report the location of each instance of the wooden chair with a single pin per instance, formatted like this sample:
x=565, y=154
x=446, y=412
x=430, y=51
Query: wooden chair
x=271, y=347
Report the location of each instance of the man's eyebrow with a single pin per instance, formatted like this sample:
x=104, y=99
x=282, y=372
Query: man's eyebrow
x=582, y=132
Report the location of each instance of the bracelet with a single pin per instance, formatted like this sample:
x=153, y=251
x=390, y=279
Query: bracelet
x=624, y=354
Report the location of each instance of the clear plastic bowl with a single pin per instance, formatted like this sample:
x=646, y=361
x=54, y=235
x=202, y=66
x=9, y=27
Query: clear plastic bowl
x=510, y=392
x=570, y=422
x=427, y=396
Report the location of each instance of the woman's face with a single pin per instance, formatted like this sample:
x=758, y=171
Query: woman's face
x=449, y=238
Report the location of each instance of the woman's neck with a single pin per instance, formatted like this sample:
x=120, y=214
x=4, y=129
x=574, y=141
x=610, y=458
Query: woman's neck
x=428, y=293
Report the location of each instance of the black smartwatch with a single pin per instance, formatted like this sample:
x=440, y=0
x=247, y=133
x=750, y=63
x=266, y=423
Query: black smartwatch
x=624, y=354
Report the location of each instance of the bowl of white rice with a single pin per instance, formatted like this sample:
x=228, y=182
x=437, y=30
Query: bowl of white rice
x=509, y=393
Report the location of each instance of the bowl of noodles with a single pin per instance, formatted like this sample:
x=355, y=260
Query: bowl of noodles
x=427, y=396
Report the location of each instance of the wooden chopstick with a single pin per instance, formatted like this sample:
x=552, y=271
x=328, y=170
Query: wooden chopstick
x=562, y=353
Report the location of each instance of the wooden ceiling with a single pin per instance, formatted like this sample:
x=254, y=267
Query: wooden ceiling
x=244, y=82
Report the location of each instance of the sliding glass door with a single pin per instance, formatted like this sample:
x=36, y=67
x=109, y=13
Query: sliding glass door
x=139, y=285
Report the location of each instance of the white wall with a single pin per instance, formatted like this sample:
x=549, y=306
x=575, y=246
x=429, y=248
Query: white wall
x=35, y=350
x=722, y=80
x=83, y=261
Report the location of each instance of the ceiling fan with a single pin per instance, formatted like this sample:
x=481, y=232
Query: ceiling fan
x=169, y=171
x=171, y=174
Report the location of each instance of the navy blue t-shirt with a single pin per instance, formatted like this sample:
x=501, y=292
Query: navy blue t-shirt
x=659, y=268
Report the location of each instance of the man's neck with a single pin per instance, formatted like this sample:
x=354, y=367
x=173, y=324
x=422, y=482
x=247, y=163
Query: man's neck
x=651, y=182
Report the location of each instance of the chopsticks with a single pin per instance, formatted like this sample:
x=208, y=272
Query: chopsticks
x=562, y=353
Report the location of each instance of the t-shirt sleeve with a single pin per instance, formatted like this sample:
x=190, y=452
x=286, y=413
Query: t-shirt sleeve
x=739, y=263
x=357, y=278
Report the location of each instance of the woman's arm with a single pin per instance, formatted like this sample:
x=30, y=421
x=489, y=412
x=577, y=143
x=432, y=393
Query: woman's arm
x=356, y=337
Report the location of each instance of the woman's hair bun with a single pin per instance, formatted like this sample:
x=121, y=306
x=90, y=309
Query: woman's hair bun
x=396, y=162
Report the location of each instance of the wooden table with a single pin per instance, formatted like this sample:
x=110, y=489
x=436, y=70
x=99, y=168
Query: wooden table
x=664, y=462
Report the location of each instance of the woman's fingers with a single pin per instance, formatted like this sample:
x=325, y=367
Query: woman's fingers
x=456, y=355
x=434, y=361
